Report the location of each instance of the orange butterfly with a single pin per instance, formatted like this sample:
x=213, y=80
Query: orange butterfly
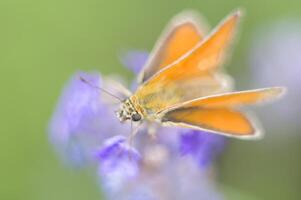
x=182, y=84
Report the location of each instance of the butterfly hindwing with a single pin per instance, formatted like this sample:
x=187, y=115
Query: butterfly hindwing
x=219, y=113
x=223, y=121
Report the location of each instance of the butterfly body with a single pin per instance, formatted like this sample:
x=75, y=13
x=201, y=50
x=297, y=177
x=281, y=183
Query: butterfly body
x=182, y=83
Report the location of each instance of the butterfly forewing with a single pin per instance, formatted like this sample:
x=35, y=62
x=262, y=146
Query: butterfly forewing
x=182, y=34
x=235, y=99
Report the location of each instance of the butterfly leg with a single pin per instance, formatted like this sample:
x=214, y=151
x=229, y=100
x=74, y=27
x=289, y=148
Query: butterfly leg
x=130, y=139
x=134, y=131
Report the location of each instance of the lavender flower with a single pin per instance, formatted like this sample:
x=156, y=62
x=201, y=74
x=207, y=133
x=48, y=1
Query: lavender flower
x=134, y=60
x=85, y=130
x=119, y=162
x=201, y=146
x=82, y=121
x=164, y=175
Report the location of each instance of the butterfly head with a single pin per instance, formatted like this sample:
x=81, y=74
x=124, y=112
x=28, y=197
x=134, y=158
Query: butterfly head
x=127, y=111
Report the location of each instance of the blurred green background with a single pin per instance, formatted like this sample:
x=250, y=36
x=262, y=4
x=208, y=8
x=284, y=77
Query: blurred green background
x=42, y=43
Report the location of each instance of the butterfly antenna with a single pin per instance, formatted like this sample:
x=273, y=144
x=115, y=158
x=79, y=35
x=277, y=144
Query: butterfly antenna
x=99, y=88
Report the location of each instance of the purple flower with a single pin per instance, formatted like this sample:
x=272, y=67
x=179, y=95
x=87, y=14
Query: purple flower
x=134, y=60
x=115, y=151
x=82, y=120
x=119, y=162
x=203, y=147
x=190, y=182
x=162, y=176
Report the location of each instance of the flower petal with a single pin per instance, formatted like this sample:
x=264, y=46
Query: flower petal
x=202, y=146
x=82, y=120
x=134, y=60
x=119, y=162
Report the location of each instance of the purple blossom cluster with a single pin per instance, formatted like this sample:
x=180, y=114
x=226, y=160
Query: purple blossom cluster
x=175, y=164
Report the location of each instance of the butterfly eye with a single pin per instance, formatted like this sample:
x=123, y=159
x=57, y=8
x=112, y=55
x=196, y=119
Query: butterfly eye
x=136, y=117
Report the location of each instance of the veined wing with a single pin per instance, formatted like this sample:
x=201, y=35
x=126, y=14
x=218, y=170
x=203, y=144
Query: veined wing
x=219, y=114
x=236, y=99
x=192, y=76
x=181, y=35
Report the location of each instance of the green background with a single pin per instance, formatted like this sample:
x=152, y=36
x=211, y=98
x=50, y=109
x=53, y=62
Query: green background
x=43, y=42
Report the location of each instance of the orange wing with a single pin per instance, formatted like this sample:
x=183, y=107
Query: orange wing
x=223, y=121
x=235, y=99
x=193, y=75
x=217, y=113
x=181, y=35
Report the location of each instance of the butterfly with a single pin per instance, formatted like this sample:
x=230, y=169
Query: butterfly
x=183, y=84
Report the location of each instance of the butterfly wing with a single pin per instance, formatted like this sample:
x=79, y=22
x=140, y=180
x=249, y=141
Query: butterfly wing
x=224, y=121
x=219, y=113
x=181, y=35
x=193, y=75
